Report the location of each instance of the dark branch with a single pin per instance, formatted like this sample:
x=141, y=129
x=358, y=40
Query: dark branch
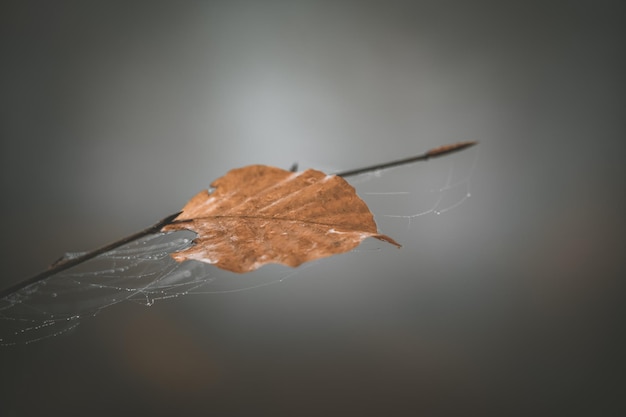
x=156, y=228
x=66, y=264
x=433, y=153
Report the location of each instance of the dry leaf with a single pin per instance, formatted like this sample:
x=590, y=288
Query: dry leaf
x=259, y=214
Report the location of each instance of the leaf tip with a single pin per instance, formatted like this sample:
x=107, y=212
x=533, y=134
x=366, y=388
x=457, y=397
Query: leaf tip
x=388, y=239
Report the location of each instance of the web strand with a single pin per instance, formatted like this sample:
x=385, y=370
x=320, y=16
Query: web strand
x=139, y=268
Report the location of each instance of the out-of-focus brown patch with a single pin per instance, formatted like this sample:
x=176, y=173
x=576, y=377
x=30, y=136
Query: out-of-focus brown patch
x=164, y=358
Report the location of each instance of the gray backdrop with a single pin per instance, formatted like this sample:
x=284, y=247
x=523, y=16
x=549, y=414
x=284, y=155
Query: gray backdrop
x=115, y=113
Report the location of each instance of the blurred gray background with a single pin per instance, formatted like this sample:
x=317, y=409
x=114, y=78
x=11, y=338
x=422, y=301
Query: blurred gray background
x=113, y=114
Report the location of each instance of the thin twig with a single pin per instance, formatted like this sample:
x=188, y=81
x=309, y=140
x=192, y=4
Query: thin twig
x=433, y=153
x=66, y=264
x=156, y=228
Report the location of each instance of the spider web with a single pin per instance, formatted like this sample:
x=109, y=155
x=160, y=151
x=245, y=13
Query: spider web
x=143, y=272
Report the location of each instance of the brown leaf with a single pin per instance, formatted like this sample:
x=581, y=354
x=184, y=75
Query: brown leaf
x=259, y=214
